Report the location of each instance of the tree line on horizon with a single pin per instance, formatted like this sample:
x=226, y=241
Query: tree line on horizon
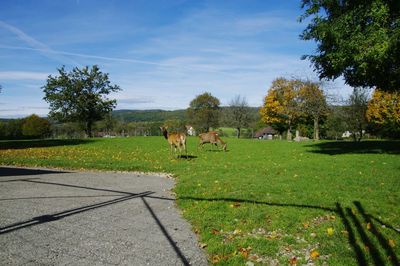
x=359, y=41
x=285, y=109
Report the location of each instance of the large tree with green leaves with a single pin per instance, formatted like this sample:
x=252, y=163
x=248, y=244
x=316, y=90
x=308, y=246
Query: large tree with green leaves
x=204, y=112
x=80, y=96
x=357, y=39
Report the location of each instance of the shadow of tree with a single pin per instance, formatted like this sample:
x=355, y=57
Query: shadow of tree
x=366, y=243
x=345, y=147
x=13, y=171
x=24, y=144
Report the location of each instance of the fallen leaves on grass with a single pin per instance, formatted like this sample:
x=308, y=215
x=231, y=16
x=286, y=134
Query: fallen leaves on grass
x=330, y=231
x=302, y=256
x=293, y=260
x=392, y=243
x=322, y=219
x=369, y=226
x=314, y=254
x=215, y=259
x=237, y=232
x=245, y=251
x=235, y=205
x=215, y=231
x=203, y=245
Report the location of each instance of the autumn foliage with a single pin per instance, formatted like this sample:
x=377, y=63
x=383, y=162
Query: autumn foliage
x=281, y=105
x=383, y=112
x=288, y=101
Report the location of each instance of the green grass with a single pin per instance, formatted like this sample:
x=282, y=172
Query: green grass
x=265, y=201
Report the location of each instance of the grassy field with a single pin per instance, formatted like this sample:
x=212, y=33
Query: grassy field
x=268, y=202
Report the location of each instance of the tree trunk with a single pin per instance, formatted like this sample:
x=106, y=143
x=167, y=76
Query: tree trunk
x=316, y=129
x=89, y=129
x=360, y=136
x=238, y=132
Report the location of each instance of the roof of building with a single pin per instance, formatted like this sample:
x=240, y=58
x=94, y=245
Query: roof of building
x=265, y=131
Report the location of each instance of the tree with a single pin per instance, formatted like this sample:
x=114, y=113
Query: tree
x=281, y=104
x=204, y=112
x=336, y=122
x=35, y=127
x=79, y=96
x=13, y=129
x=175, y=125
x=238, y=114
x=357, y=39
x=313, y=103
x=356, y=113
x=384, y=112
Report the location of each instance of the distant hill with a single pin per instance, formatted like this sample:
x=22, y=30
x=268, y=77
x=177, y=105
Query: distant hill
x=153, y=115
x=157, y=115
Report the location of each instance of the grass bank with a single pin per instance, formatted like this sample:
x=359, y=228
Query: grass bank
x=262, y=201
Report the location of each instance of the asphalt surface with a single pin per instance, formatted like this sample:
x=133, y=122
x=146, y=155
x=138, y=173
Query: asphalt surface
x=50, y=217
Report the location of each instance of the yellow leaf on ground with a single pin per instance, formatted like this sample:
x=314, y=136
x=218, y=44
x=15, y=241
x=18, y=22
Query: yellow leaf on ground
x=314, y=254
x=392, y=243
x=215, y=259
x=293, y=261
x=235, y=205
x=237, y=231
x=245, y=251
x=369, y=226
x=330, y=231
x=214, y=231
x=203, y=245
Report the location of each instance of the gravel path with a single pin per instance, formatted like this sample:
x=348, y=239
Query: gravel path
x=50, y=217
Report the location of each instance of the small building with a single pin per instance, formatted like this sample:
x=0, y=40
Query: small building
x=190, y=130
x=265, y=133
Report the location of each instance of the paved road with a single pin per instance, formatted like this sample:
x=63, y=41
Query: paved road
x=91, y=218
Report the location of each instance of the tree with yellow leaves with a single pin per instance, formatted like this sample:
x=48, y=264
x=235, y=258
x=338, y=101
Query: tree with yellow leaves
x=383, y=112
x=281, y=104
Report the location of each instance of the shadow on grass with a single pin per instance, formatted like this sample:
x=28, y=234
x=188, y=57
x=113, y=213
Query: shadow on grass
x=188, y=157
x=345, y=147
x=216, y=150
x=12, y=171
x=24, y=144
x=366, y=241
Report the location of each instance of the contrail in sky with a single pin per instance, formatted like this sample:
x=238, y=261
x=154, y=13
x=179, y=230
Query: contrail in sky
x=37, y=46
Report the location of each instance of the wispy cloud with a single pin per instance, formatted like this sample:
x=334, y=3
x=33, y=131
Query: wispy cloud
x=22, y=75
x=37, y=45
x=136, y=100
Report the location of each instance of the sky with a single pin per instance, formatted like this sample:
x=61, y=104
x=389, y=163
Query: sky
x=162, y=53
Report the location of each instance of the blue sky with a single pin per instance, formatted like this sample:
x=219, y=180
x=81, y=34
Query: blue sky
x=161, y=53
